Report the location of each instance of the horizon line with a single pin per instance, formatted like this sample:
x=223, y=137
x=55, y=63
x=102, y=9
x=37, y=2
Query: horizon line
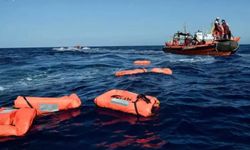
x=88, y=46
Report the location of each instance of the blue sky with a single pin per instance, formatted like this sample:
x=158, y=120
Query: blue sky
x=31, y=23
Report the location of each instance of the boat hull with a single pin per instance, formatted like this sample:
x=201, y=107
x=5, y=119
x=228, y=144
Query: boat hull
x=219, y=48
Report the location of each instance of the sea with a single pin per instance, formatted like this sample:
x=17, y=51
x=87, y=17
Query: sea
x=204, y=104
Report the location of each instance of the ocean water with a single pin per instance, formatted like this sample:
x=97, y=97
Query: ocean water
x=205, y=104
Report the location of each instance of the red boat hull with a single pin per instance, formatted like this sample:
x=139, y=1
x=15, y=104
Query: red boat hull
x=206, y=49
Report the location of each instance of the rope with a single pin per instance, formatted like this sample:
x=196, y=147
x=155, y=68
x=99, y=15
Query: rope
x=27, y=102
x=142, y=97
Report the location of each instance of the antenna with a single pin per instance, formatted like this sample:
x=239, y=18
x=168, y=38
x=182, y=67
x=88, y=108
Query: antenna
x=185, y=28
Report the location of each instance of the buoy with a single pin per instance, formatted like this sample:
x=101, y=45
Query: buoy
x=16, y=122
x=125, y=101
x=130, y=72
x=142, y=62
x=166, y=71
x=45, y=104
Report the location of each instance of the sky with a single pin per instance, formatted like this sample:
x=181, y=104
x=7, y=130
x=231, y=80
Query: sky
x=52, y=23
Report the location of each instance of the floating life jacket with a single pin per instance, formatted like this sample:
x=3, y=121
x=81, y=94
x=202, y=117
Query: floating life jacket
x=130, y=72
x=128, y=102
x=44, y=104
x=16, y=122
x=166, y=71
x=142, y=62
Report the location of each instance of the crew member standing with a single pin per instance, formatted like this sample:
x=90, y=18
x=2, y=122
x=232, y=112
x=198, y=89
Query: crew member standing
x=218, y=30
x=227, y=31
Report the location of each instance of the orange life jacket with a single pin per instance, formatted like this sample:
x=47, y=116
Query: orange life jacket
x=130, y=72
x=128, y=102
x=16, y=122
x=218, y=29
x=166, y=71
x=142, y=62
x=45, y=105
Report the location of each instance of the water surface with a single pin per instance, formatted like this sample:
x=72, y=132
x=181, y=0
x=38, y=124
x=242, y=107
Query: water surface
x=205, y=104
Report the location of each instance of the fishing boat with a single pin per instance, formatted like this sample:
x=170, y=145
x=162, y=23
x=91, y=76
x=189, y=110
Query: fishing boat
x=200, y=44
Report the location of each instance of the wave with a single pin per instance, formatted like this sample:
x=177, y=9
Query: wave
x=71, y=49
x=112, y=50
x=29, y=79
x=203, y=101
x=2, y=88
x=195, y=59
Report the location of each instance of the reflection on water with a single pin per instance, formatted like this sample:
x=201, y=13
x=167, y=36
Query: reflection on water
x=146, y=139
x=52, y=120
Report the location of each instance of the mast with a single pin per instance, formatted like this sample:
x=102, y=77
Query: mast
x=185, y=28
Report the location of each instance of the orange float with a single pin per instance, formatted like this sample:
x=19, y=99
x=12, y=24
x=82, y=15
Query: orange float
x=166, y=71
x=125, y=101
x=16, y=122
x=142, y=62
x=130, y=72
x=45, y=105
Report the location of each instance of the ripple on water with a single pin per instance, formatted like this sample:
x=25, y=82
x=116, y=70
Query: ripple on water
x=204, y=105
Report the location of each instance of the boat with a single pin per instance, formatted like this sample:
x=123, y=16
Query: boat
x=74, y=48
x=186, y=44
x=79, y=48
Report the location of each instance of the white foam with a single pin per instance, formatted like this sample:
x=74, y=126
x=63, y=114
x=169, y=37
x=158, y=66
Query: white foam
x=2, y=88
x=71, y=49
x=28, y=78
x=244, y=55
x=197, y=59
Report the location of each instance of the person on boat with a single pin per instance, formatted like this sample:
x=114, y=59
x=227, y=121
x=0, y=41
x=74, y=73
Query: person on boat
x=227, y=31
x=175, y=42
x=195, y=41
x=218, y=29
x=176, y=38
x=188, y=39
x=198, y=37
